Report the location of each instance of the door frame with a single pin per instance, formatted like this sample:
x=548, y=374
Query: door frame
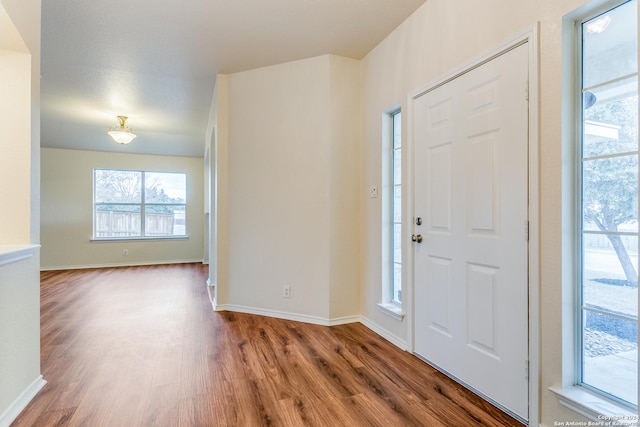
x=529, y=37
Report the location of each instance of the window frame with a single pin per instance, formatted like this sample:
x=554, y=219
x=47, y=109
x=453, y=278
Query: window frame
x=143, y=205
x=584, y=400
x=388, y=306
x=395, y=246
x=579, y=214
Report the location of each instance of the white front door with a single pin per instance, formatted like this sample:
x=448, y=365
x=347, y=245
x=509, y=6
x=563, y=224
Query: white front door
x=470, y=138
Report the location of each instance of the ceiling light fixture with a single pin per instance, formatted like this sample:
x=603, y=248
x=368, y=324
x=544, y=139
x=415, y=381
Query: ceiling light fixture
x=123, y=134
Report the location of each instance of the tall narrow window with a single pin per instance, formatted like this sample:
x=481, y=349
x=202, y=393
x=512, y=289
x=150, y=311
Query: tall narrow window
x=396, y=208
x=608, y=215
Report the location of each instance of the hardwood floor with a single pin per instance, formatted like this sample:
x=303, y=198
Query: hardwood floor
x=141, y=346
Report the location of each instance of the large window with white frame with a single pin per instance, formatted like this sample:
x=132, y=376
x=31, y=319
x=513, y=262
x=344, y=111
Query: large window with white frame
x=608, y=203
x=132, y=204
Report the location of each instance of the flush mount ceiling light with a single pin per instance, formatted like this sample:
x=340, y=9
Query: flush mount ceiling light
x=123, y=134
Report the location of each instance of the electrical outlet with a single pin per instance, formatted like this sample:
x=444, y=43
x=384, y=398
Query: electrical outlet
x=125, y=252
x=286, y=291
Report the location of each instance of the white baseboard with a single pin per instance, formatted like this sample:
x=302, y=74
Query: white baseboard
x=393, y=339
x=119, y=264
x=345, y=320
x=288, y=316
x=12, y=412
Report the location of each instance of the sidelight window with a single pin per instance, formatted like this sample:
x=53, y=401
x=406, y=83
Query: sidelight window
x=391, y=268
x=608, y=214
x=396, y=208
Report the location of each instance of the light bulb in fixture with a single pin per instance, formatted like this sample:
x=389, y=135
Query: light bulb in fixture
x=122, y=134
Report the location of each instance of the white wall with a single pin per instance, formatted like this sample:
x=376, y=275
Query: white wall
x=67, y=211
x=19, y=336
x=19, y=194
x=439, y=37
x=290, y=190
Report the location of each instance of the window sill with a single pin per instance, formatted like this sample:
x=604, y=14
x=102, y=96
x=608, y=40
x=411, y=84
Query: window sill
x=392, y=310
x=593, y=406
x=129, y=239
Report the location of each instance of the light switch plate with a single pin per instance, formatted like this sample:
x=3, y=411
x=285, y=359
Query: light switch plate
x=373, y=191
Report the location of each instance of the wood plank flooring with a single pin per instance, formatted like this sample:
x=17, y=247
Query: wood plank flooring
x=141, y=346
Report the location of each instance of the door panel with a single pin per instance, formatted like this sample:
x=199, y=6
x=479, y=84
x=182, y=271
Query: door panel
x=471, y=187
x=439, y=294
x=481, y=287
x=481, y=189
x=440, y=191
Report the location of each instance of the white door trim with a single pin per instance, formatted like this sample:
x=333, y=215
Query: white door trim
x=529, y=36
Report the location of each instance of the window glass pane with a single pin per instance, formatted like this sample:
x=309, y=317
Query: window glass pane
x=118, y=221
x=397, y=130
x=397, y=283
x=397, y=167
x=610, y=193
x=610, y=350
x=610, y=45
x=397, y=242
x=113, y=186
x=611, y=119
x=118, y=202
x=163, y=220
x=609, y=277
x=163, y=187
x=397, y=204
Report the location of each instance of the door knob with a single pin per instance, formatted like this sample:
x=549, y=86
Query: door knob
x=416, y=238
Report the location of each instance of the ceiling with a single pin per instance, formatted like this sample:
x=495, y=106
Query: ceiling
x=156, y=61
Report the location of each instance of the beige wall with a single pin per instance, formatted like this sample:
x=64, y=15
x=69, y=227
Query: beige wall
x=67, y=211
x=25, y=16
x=290, y=189
x=345, y=185
x=19, y=189
x=218, y=144
x=15, y=161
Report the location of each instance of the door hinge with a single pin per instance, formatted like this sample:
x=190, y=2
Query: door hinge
x=526, y=230
x=526, y=369
x=526, y=90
